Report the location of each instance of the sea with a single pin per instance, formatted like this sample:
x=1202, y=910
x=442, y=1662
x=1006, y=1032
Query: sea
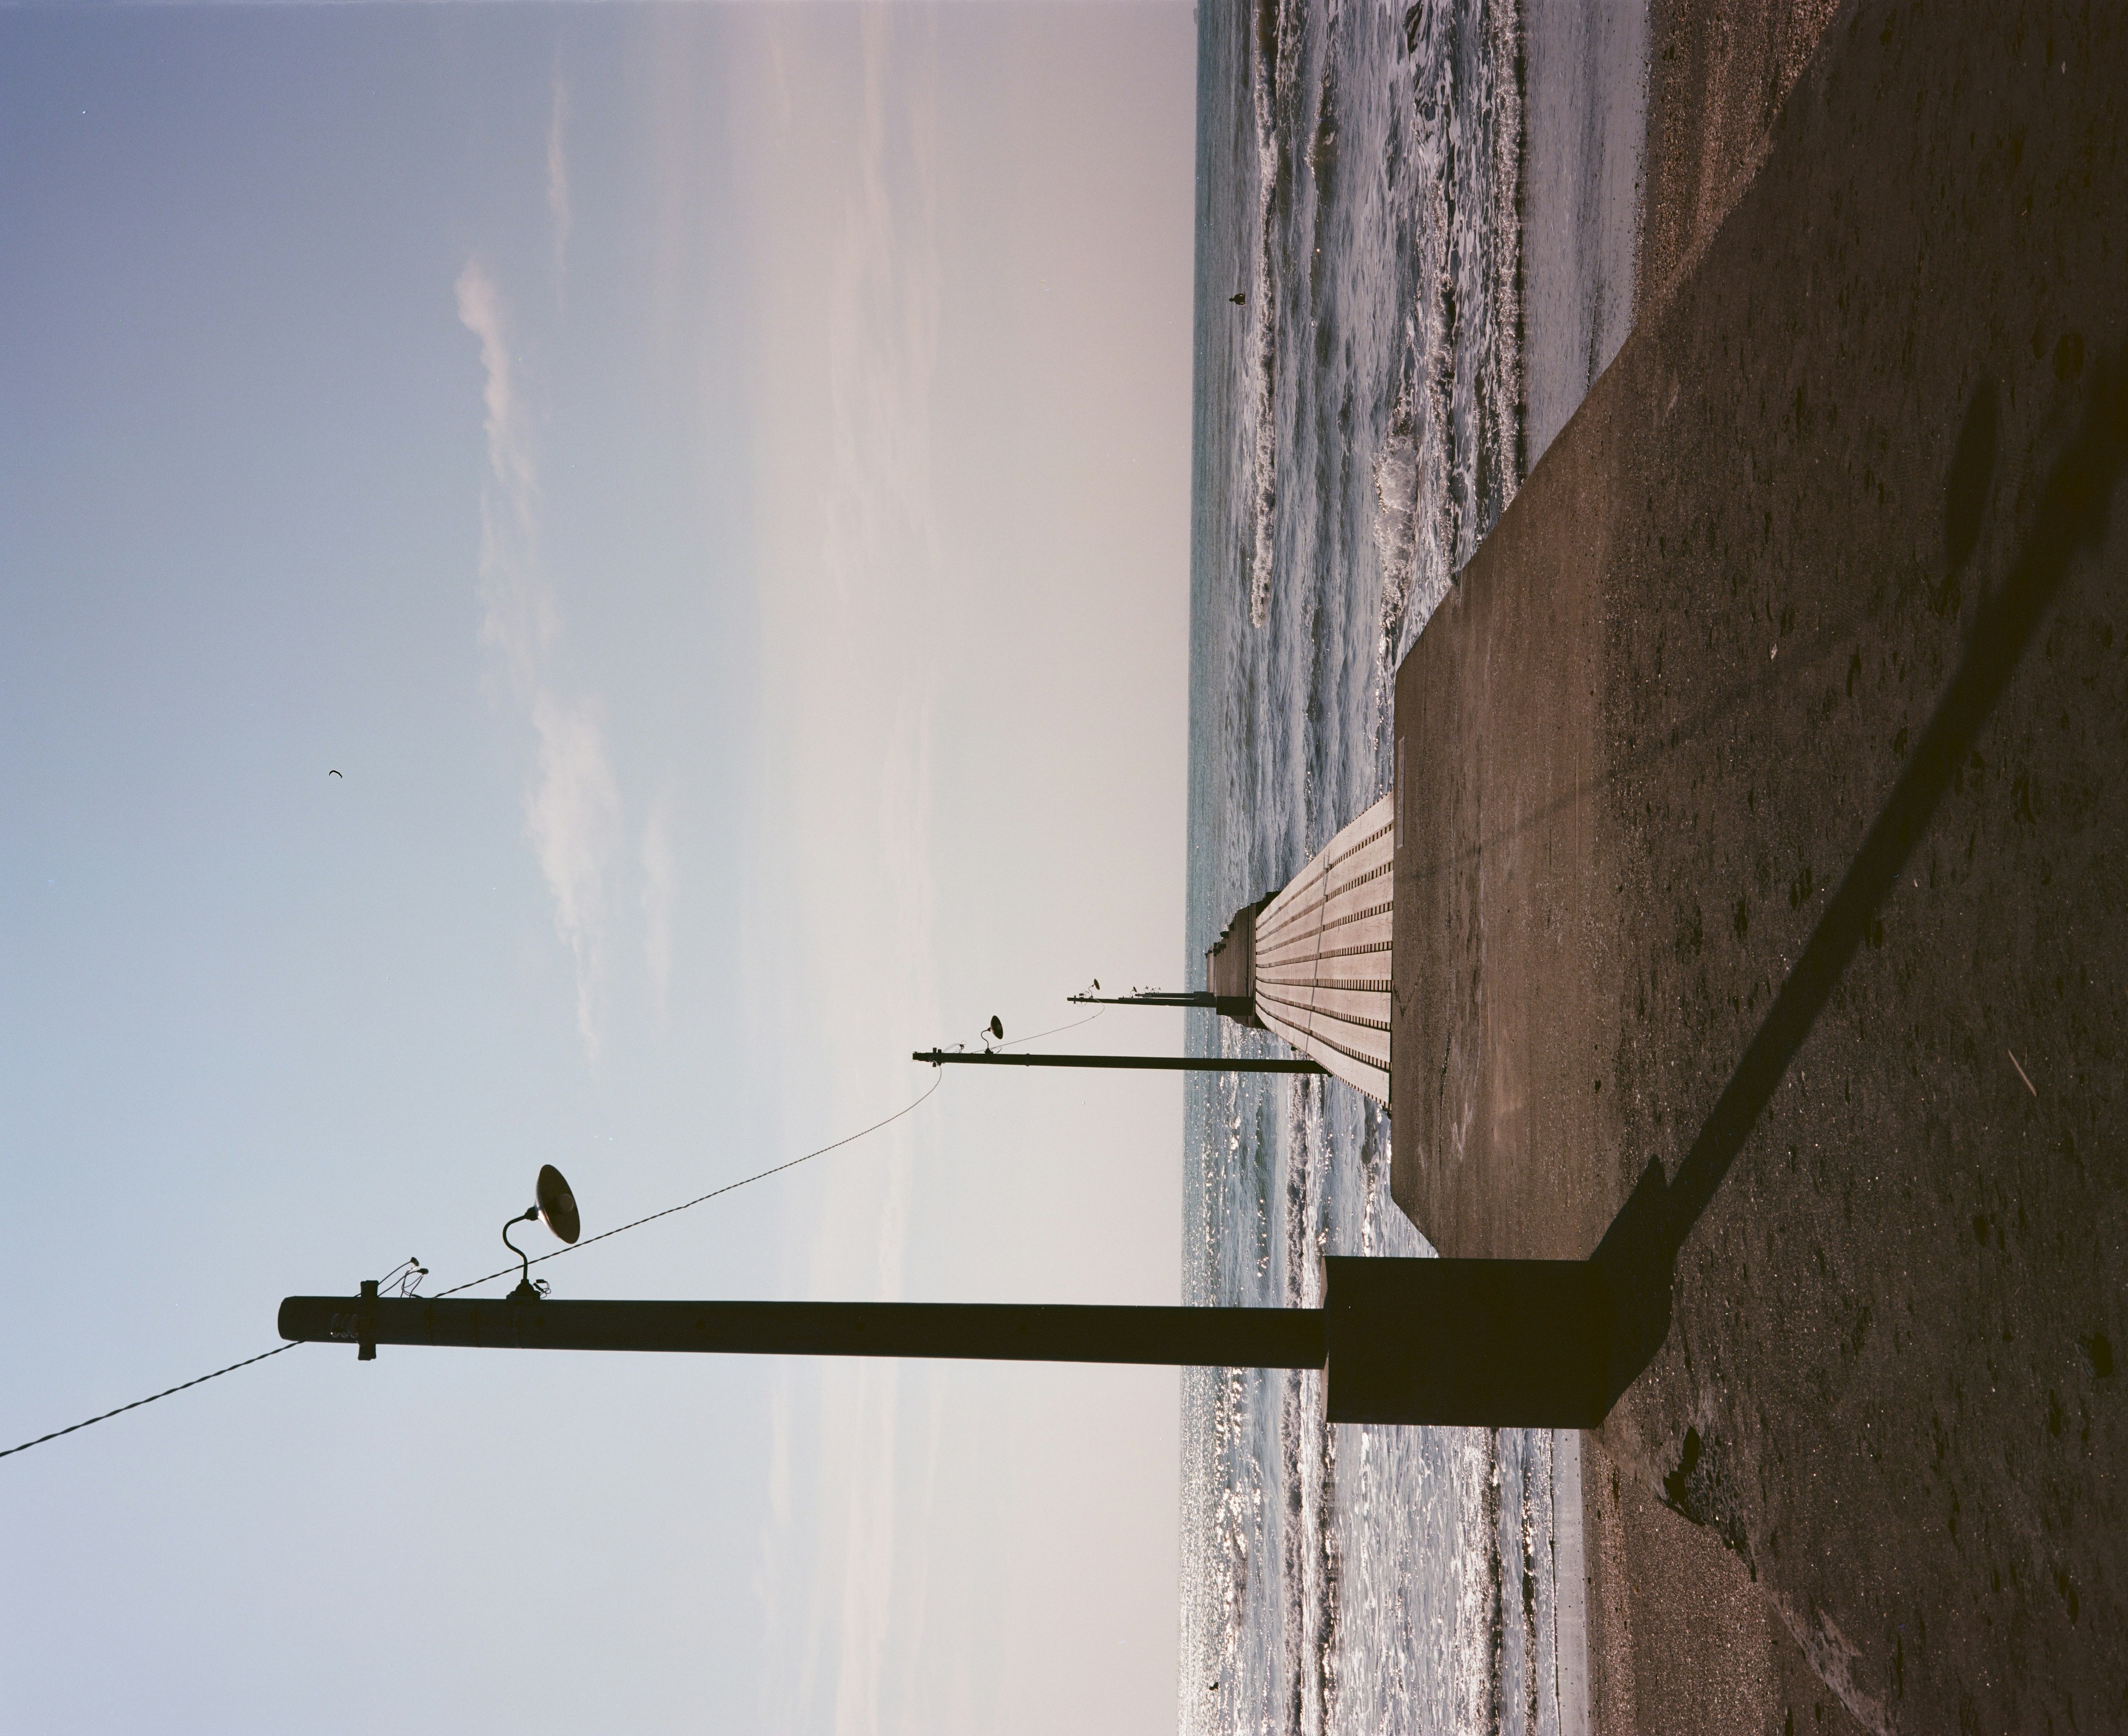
x=1429, y=217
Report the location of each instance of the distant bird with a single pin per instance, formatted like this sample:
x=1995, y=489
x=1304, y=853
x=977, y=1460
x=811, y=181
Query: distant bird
x=337, y=775
x=1238, y=298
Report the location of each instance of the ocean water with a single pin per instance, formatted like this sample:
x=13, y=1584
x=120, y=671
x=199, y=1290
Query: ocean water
x=1388, y=187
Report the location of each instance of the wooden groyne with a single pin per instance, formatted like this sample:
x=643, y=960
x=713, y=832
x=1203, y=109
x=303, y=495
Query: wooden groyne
x=1321, y=955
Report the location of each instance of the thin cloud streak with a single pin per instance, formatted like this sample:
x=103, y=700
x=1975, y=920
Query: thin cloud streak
x=848, y=534
x=661, y=879
x=558, y=182
x=518, y=620
x=572, y=810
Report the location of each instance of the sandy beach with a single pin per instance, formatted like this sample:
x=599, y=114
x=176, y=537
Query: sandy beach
x=1772, y=907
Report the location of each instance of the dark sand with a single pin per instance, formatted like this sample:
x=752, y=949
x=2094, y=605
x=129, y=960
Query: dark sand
x=1771, y=817
x=1680, y=1640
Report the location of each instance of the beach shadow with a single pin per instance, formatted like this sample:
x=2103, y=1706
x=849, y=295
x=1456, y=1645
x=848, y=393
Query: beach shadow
x=1638, y=1254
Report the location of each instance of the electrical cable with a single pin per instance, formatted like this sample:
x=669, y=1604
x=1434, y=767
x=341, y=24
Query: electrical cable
x=637, y=1224
x=1054, y=1029
x=150, y=1399
x=702, y=1198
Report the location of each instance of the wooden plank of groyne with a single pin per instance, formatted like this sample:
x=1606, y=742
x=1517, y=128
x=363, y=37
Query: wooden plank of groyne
x=1322, y=951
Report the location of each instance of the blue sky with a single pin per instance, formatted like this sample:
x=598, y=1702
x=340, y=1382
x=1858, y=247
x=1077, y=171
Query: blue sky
x=714, y=481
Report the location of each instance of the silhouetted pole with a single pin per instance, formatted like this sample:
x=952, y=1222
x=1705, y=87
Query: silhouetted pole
x=1492, y=1344
x=1146, y=1063
x=1152, y=998
x=1213, y=1338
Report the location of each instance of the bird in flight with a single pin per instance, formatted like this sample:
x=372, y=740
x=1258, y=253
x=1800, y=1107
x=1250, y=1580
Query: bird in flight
x=337, y=775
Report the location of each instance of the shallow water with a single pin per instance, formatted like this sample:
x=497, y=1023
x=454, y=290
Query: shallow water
x=1360, y=421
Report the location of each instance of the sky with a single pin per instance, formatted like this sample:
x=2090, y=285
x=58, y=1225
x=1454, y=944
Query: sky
x=714, y=483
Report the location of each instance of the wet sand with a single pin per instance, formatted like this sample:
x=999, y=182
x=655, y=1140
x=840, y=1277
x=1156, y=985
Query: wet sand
x=1718, y=78
x=1770, y=828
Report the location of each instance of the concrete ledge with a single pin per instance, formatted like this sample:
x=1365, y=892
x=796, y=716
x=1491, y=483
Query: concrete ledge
x=1763, y=821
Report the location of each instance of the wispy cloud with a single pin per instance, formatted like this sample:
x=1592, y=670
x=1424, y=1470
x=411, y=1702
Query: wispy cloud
x=518, y=618
x=573, y=811
x=661, y=880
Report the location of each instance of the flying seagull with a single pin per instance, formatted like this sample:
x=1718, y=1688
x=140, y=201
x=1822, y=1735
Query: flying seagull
x=337, y=775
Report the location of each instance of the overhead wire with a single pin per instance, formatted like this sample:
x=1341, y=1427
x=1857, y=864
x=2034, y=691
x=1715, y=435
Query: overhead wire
x=196, y=1380
x=1053, y=1030
x=909, y=1109
x=701, y=1198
